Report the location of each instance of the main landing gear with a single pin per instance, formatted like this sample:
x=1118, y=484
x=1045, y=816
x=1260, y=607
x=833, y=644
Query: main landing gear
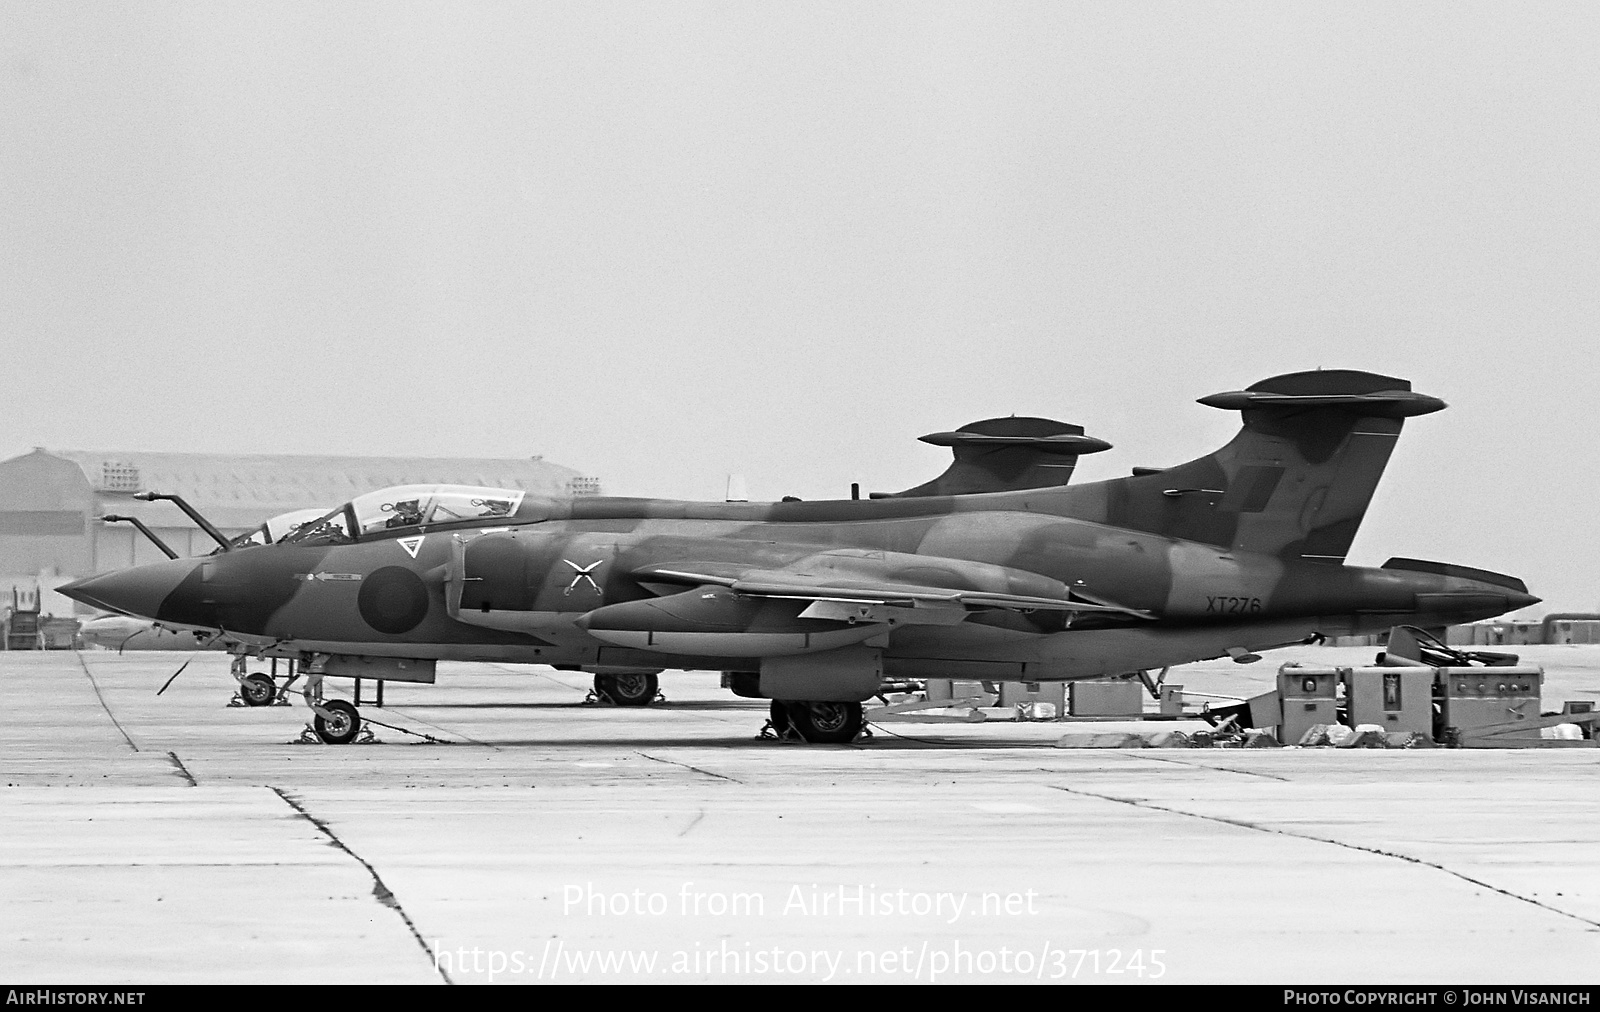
x=627, y=690
x=258, y=690
x=819, y=723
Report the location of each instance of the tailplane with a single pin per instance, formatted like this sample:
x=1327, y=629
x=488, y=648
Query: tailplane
x=1005, y=454
x=1295, y=482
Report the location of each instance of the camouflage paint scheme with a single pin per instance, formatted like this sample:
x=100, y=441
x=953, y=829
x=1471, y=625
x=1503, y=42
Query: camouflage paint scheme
x=1237, y=551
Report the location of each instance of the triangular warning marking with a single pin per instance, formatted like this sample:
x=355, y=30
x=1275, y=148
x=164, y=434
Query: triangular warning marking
x=411, y=545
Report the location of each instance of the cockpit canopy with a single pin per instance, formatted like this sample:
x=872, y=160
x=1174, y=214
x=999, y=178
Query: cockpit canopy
x=277, y=528
x=409, y=506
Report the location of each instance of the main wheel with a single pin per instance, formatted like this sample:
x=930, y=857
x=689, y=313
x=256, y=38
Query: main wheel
x=825, y=723
x=341, y=725
x=627, y=690
x=257, y=690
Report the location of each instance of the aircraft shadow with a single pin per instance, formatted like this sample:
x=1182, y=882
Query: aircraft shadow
x=630, y=744
x=879, y=743
x=709, y=705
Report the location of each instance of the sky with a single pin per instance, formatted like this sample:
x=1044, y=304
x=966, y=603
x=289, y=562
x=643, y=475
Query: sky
x=665, y=243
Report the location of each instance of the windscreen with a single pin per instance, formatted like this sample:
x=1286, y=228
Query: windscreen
x=428, y=505
x=329, y=529
x=284, y=524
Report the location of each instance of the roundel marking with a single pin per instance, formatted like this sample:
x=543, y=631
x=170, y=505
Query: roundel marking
x=393, y=600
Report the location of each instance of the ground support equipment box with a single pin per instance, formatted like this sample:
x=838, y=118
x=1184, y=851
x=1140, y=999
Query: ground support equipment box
x=1028, y=696
x=958, y=690
x=1122, y=697
x=1489, y=707
x=1475, y=707
x=1394, y=698
x=1310, y=696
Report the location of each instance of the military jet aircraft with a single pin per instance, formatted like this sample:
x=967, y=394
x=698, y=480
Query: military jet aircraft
x=813, y=604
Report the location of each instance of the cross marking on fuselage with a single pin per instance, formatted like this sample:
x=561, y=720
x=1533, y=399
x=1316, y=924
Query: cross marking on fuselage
x=581, y=573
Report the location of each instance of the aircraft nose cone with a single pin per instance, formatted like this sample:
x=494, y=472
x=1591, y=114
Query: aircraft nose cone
x=1515, y=600
x=139, y=591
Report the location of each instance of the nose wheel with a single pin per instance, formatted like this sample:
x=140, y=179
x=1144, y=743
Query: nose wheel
x=337, y=722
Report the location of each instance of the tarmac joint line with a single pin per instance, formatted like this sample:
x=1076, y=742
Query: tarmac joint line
x=686, y=766
x=96, y=686
x=1205, y=766
x=381, y=892
x=692, y=823
x=183, y=770
x=1241, y=824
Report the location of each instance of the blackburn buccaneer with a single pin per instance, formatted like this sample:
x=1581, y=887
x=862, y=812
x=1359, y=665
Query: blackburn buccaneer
x=814, y=604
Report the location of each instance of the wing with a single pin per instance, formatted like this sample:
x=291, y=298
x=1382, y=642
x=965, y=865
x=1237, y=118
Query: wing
x=921, y=589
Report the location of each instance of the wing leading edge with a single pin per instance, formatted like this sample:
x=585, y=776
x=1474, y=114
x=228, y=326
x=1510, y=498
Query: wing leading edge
x=890, y=579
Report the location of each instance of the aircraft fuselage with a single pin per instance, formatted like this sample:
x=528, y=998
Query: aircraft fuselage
x=567, y=591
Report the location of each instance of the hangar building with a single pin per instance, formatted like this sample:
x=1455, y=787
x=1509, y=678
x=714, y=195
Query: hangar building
x=50, y=502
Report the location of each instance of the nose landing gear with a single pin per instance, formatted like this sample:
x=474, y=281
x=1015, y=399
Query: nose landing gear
x=337, y=722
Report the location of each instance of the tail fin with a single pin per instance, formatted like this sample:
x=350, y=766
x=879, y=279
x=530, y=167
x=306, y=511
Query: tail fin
x=1295, y=482
x=1005, y=454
